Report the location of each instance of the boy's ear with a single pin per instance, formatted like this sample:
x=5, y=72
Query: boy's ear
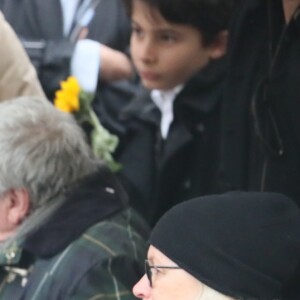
x=218, y=47
x=18, y=206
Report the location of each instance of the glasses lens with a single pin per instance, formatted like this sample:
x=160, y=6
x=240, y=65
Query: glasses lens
x=148, y=271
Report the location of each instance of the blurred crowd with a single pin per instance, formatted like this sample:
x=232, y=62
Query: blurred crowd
x=195, y=103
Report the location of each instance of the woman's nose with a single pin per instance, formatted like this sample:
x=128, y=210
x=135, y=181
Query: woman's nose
x=142, y=288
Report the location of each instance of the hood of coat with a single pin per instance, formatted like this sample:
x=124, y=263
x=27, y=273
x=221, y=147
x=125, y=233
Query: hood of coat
x=88, y=202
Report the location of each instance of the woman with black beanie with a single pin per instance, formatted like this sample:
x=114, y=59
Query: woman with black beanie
x=241, y=245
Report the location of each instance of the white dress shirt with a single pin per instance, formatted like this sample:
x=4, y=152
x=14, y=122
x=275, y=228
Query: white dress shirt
x=164, y=100
x=85, y=63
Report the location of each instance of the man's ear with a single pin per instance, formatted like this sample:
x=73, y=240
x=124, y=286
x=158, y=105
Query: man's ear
x=19, y=204
x=218, y=47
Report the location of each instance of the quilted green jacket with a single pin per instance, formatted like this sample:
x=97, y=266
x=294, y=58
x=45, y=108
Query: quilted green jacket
x=74, y=257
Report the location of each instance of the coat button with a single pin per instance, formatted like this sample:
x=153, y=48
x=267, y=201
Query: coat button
x=109, y=190
x=187, y=184
x=200, y=128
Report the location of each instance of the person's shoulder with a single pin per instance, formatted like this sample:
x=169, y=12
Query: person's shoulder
x=115, y=236
x=1, y=17
x=4, y=25
x=105, y=261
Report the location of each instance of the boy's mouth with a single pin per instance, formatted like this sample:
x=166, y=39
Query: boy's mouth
x=149, y=76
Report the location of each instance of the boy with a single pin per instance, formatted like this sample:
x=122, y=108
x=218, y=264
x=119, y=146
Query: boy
x=169, y=147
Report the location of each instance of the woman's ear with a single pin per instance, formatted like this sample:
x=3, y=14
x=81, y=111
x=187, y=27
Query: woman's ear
x=218, y=47
x=19, y=205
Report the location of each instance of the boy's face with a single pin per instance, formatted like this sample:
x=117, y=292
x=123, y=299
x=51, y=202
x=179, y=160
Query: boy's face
x=165, y=54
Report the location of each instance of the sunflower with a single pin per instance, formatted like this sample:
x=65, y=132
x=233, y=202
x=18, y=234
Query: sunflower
x=67, y=98
x=71, y=99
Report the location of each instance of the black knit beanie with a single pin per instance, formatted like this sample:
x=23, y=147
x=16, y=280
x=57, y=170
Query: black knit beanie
x=242, y=244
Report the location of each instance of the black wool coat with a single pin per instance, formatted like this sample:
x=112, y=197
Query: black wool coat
x=261, y=125
x=92, y=245
x=161, y=173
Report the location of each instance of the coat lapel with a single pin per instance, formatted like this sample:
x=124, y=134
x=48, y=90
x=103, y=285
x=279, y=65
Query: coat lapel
x=177, y=140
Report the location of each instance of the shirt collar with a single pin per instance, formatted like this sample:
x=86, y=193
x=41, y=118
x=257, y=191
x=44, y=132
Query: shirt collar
x=69, y=9
x=164, y=100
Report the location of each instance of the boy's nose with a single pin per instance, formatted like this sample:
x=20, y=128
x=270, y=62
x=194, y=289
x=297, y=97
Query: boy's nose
x=142, y=288
x=147, y=52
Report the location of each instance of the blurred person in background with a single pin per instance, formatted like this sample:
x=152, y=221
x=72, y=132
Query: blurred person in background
x=87, y=39
x=17, y=75
x=260, y=115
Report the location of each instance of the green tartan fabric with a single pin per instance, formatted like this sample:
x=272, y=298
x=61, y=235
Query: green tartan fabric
x=103, y=263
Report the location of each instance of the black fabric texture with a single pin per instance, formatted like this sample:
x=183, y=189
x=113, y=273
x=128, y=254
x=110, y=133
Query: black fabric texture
x=90, y=201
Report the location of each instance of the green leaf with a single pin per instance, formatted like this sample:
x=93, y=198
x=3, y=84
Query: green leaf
x=103, y=143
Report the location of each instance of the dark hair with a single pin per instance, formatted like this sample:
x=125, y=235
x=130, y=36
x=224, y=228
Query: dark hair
x=208, y=16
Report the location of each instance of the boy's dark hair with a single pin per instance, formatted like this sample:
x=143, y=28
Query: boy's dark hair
x=208, y=16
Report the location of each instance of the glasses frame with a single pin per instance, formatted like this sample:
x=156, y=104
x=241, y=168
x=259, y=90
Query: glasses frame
x=148, y=268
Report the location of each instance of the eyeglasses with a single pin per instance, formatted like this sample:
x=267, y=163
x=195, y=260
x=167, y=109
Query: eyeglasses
x=148, y=269
x=265, y=124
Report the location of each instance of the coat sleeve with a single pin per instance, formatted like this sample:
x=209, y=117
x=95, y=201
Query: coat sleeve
x=17, y=75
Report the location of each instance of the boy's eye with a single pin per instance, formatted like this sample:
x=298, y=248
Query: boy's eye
x=136, y=31
x=168, y=37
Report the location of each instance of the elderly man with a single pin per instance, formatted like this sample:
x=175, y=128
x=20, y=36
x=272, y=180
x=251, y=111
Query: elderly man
x=65, y=229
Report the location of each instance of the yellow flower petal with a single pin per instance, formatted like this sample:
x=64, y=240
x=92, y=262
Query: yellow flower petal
x=74, y=103
x=71, y=85
x=67, y=99
x=62, y=105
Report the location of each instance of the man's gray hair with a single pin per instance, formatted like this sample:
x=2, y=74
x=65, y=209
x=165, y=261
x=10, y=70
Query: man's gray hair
x=42, y=150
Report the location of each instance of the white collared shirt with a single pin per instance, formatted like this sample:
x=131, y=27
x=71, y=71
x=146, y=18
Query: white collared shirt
x=85, y=62
x=69, y=8
x=164, y=100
